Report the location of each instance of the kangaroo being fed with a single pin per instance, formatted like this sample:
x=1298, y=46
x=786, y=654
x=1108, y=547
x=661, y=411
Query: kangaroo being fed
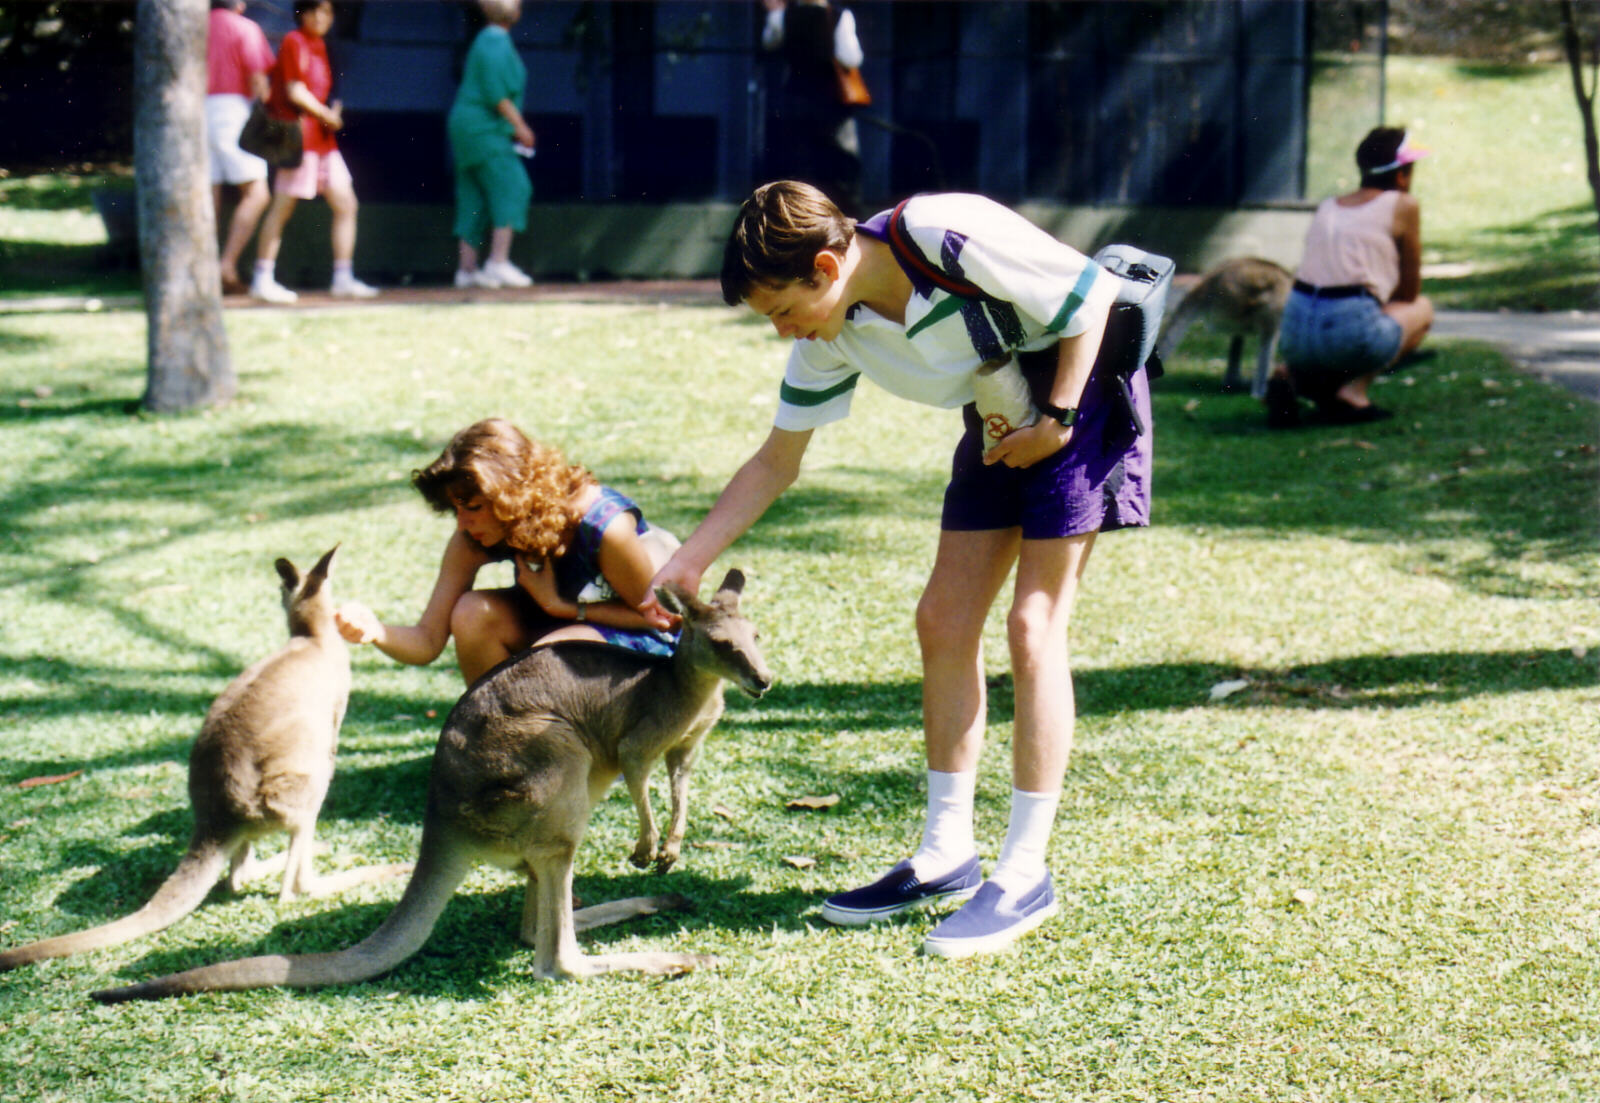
x=261, y=765
x=1243, y=297
x=522, y=760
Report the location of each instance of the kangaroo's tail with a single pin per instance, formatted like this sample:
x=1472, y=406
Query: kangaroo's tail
x=178, y=895
x=441, y=866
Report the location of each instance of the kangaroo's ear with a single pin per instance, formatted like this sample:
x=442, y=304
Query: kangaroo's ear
x=324, y=567
x=318, y=575
x=732, y=586
x=676, y=600
x=287, y=572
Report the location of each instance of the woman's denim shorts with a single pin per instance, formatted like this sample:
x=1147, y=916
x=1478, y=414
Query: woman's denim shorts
x=1328, y=342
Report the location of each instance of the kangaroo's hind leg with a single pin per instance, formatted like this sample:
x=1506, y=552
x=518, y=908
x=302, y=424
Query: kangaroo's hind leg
x=1232, y=379
x=599, y=915
x=556, y=952
x=1266, y=352
x=300, y=876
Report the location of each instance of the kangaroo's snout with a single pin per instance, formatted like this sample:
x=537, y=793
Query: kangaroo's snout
x=757, y=684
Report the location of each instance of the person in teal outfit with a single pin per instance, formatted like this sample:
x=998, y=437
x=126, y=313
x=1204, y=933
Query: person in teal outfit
x=486, y=130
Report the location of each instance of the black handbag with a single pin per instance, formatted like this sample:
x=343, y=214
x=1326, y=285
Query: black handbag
x=275, y=141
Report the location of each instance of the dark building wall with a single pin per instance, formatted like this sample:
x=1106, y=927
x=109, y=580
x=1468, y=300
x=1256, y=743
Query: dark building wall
x=1128, y=102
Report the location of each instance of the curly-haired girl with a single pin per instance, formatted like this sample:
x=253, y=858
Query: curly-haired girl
x=583, y=556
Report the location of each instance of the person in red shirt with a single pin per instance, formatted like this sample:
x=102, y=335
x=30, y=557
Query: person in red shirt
x=238, y=59
x=302, y=81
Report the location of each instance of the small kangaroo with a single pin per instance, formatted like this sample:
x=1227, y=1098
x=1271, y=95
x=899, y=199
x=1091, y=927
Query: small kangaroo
x=261, y=765
x=521, y=761
x=1243, y=297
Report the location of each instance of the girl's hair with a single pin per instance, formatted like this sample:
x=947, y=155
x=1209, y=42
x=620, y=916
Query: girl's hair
x=301, y=7
x=527, y=485
x=777, y=235
x=1380, y=147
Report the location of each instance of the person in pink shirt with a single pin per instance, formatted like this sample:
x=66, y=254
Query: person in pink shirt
x=238, y=59
x=302, y=81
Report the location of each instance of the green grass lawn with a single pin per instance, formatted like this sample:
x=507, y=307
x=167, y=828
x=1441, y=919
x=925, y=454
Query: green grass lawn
x=1367, y=875
x=1508, y=220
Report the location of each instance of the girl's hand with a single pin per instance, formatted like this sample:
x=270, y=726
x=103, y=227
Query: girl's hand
x=539, y=582
x=357, y=623
x=522, y=134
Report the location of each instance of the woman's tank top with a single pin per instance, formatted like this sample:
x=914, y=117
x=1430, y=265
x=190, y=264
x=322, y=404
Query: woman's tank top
x=1354, y=245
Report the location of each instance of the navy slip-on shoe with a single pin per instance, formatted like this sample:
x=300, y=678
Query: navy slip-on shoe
x=899, y=890
x=992, y=920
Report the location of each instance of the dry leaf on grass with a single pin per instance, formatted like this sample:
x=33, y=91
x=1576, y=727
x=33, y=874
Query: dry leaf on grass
x=1305, y=896
x=811, y=804
x=1223, y=690
x=49, y=779
x=799, y=861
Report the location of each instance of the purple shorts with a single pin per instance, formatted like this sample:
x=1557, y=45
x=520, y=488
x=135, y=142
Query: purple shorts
x=1099, y=482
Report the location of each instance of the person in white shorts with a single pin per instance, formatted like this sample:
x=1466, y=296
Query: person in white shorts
x=238, y=59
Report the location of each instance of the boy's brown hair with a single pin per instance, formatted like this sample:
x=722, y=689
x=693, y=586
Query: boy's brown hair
x=776, y=238
x=528, y=486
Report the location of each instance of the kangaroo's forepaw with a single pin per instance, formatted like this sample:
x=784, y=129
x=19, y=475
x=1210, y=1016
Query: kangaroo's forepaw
x=666, y=860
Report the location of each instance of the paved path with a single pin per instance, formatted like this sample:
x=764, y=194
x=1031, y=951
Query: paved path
x=1563, y=347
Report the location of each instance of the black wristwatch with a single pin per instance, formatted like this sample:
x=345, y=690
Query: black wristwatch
x=1066, y=415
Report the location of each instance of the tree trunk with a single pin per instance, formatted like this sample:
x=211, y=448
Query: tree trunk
x=188, y=348
x=1572, y=41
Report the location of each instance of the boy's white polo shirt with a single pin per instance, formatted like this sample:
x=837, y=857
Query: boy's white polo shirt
x=1047, y=290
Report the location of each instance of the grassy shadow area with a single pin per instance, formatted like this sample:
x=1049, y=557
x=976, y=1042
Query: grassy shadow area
x=53, y=241
x=1333, y=797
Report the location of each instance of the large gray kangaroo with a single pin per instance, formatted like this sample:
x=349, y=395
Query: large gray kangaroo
x=522, y=760
x=1242, y=297
x=261, y=765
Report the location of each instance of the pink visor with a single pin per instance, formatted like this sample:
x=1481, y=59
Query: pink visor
x=1405, y=155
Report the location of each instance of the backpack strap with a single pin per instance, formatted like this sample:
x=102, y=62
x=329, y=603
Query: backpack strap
x=912, y=259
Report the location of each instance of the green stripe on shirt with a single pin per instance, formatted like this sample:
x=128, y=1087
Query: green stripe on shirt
x=1080, y=292
x=941, y=310
x=796, y=397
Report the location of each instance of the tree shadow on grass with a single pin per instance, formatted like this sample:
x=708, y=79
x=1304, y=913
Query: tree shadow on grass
x=1358, y=681
x=476, y=939
x=394, y=789
x=1440, y=474
x=1543, y=263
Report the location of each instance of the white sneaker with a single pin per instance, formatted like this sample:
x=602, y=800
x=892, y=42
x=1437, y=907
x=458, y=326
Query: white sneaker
x=352, y=288
x=478, y=277
x=506, y=274
x=269, y=290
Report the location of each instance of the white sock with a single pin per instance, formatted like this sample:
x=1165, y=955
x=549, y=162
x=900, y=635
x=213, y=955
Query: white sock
x=342, y=271
x=264, y=268
x=947, y=833
x=1022, y=863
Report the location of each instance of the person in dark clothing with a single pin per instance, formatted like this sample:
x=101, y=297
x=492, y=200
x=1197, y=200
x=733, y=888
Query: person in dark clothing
x=811, y=135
